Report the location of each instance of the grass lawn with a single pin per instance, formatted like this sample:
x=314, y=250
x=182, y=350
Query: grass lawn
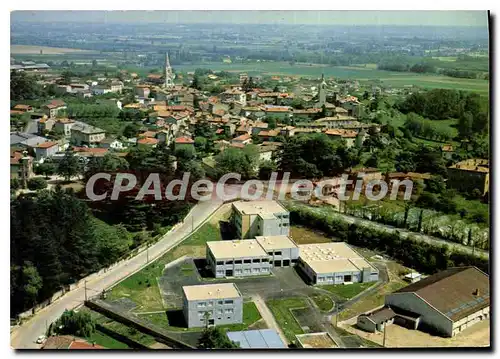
x=304, y=235
x=130, y=332
x=281, y=312
x=142, y=287
x=347, y=291
x=324, y=302
x=372, y=301
x=106, y=341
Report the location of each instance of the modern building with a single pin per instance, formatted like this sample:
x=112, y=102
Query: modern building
x=469, y=175
x=260, y=218
x=237, y=258
x=282, y=250
x=257, y=339
x=445, y=303
x=223, y=302
x=334, y=263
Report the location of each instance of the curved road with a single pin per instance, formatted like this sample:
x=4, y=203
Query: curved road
x=24, y=336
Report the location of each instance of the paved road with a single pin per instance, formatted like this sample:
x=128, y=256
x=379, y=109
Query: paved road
x=24, y=336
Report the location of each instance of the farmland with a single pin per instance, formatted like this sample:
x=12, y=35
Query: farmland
x=28, y=50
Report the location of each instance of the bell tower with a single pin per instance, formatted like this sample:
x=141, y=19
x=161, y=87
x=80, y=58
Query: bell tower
x=169, y=75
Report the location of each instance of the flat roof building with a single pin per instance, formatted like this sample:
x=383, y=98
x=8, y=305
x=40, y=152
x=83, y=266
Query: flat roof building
x=257, y=339
x=282, y=250
x=260, y=218
x=334, y=263
x=237, y=258
x=220, y=304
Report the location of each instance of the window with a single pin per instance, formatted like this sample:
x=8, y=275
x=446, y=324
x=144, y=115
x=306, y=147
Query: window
x=238, y=261
x=294, y=261
x=229, y=301
x=247, y=261
x=247, y=270
x=277, y=253
x=229, y=311
x=284, y=216
x=210, y=303
x=219, y=311
x=220, y=302
x=270, y=253
x=285, y=224
x=202, y=304
x=264, y=270
x=201, y=314
x=228, y=317
x=256, y=270
x=220, y=263
x=256, y=260
x=229, y=262
x=237, y=271
x=265, y=260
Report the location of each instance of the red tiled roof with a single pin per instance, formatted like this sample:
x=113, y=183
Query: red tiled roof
x=22, y=107
x=147, y=134
x=242, y=138
x=90, y=150
x=147, y=141
x=237, y=145
x=16, y=112
x=184, y=139
x=84, y=345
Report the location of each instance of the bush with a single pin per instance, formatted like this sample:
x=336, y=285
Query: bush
x=79, y=323
x=35, y=184
x=15, y=184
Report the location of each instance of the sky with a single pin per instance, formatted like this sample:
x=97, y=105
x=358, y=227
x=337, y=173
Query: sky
x=409, y=18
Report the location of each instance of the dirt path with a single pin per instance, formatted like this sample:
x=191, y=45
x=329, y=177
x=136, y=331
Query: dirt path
x=268, y=316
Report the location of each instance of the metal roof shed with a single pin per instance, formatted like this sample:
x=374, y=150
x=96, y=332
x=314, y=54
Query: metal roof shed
x=257, y=339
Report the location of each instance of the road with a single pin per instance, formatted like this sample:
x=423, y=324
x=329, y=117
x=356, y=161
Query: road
x=24, y=336
x=268, y=316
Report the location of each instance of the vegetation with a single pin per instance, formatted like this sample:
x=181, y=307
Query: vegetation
x=283, y=315
x=215, y=338
x=78, y=323
x=324, y=302
x=57, y=233
x=37, y=183
x=347, y=291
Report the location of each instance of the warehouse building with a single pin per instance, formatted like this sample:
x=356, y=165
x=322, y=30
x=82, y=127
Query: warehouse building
x=237, y=258
x=334, y=263
x=260, y=218
x=445, y=303
x=223, y=302
x=282, y=250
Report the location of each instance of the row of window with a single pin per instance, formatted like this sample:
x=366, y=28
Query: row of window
x=277, y=215
x=211, y=303
x=246, y=261
x=283, y=225
x=218, y=312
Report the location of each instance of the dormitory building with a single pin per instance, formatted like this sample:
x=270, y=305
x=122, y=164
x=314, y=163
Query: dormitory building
x=260, y=218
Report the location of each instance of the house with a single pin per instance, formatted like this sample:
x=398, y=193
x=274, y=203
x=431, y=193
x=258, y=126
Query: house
x=54, y=107
x=237, y=258
x=444, y=303
x=336, y=121
x=348, y=135
x=147, y=141
x=21, y=166
x=307, y=114
x=257, y=339
x=22, y=108
x=242, y=140
x=280, y=113
x=116, y=86
x=45, y=124
x=142, y=90
x=25, y=140
x=111, y=143
x=234, y=95
x=101, y=89
x=447, y=152
x=468, y=175
x=260, y=218
x=46, y=149
x=212, y=304
x=85, y=134
x=183, y=142
x=334, y=263
x=376, y=320
x=64, y=125
x=156, y=79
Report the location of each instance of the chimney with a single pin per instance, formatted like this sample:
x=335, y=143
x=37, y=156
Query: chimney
x=476, y=292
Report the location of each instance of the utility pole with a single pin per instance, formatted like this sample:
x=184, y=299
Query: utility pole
x=85, y=284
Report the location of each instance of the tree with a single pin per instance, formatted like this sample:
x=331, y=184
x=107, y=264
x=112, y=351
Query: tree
x=47, y=168
x=69, y=166
x=23, y=87
x=78, y=323
x=15, y=183
x=465, y=124
x=32, y=281
x=242, y=161
x=436, y=184
x=131, y=130
x=66, y=77
x=94, y=63
x=196, y=83
x=276, y=89
x=266, y=168
x=37, y=183
x=215, y=338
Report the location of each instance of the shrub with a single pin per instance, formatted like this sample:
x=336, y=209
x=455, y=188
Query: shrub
x=35, y=184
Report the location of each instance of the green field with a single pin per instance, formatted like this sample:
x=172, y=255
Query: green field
x=324, y=302
x=106, y=341
x=347, y=291
x=281, y=312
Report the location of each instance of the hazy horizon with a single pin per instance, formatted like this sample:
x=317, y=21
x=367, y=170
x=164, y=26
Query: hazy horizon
x=444, y=18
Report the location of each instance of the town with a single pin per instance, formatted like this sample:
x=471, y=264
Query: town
x=112, y=248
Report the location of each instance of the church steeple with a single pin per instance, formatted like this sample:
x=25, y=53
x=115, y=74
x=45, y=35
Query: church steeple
x=322, y=91
x=169, y=75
